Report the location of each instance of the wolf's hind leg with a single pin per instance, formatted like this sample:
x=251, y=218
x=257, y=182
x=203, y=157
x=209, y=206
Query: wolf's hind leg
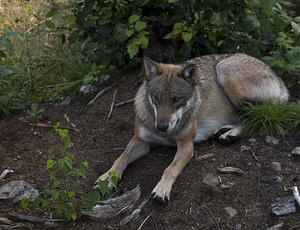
x=228, y=134
x=135, y=149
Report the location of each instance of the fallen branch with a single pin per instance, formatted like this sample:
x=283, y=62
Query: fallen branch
x=146, y=219
x=231, y=170
x=125, y=102
x=101, y=93
x=33, y=219
x=296, y=194
x=112, y=104
x=106, y=89
x=51, y=126
x=206, y=156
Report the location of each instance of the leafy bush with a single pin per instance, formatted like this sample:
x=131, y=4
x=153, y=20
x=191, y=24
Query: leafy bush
x=9, y=99
x=260, y=28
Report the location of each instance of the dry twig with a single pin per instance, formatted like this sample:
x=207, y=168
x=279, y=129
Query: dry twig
x=146, y=219
x=51, y=126
x=125, y=102
x=112, y=104
x=231, y=170
x=106, y=89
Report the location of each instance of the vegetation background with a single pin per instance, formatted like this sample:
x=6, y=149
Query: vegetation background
x=49, y=49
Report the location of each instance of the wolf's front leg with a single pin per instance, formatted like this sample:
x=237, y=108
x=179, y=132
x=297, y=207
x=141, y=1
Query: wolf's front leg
x=135, y=149
x=184, y=153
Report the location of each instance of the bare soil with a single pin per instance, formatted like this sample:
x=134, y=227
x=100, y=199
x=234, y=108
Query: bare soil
x=193, y=205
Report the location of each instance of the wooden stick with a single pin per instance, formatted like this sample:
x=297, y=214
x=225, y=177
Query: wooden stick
x=146, y=219
x=112, y=104
x=125, y=102
x=296, y=194
x=20, y=217
x=101, y=93
x=106, y=89
x=51, y=126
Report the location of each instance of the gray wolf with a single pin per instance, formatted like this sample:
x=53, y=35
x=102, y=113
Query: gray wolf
x=179, y=104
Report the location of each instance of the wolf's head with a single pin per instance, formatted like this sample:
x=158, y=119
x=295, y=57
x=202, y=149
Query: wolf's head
x=171, y=91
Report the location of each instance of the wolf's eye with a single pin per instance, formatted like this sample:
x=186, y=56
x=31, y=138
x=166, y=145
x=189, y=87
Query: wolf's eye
x=177, y=99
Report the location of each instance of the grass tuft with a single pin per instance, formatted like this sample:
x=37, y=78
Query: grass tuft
x=271, y=118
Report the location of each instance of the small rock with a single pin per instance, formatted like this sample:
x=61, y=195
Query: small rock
x=16, y=190
x=296, y=151
x=244, y=148
x=284, y=205
x=210, y=180
x=238, y=227
x=272, y=140
x=252, y=140
x=66, y=101
x=87, y=89
x=230, y=211
x=276, y=227
x=276, y=166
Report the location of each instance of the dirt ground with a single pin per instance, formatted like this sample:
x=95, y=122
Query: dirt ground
x=193, y=205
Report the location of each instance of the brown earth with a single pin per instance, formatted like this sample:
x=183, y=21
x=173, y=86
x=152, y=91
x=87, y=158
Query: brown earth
x=193, y=205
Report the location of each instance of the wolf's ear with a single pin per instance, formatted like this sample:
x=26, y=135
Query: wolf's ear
x=151, y=67
x=190, y=74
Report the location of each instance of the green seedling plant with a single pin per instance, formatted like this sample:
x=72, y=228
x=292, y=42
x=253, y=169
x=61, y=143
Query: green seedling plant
x=60, y=193
x=35, y=114
x=227, y=185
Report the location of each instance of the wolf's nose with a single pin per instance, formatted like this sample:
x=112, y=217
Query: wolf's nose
x=162, y=127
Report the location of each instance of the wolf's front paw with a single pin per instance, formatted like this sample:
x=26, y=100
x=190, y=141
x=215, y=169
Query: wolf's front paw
x=161, y=192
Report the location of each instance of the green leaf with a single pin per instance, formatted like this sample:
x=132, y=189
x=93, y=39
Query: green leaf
x=68, y=164
x=132, y=49
x=296, y=28
x=25, y=202
x=134, y=18
x=7, y=70
x=11, y=32
x=6, y=43
x=55, y=194
x=73, y=216
x=267, y=6
x=56, y=183
x=104, y=21
x=103, y=186
x=52, y=12
x=81, y=172
x=50, y=24
x=91, y=199
x=114, y=181
x=73, y=178
x=50, y=163
x=45, y=204
x=70, y=155
x=140, y=25
x=169, y=35
x=86, y=164
x=187, y=36
x=129, y=33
